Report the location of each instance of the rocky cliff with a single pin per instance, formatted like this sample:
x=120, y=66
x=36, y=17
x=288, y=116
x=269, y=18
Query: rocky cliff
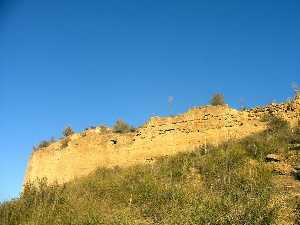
x=86, y=151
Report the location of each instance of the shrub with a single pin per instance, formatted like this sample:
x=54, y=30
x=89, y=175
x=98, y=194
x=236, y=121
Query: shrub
x=122, y=127
x=65, y=142
x=44, y=144
x=275, y=123
x=103, y=129
x=217, y=99
x=68, y=131
x=90, y=128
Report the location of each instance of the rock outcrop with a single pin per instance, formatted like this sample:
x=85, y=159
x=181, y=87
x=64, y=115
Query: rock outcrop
x=158, y=137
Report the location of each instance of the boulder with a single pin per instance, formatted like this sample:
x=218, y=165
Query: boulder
x=297, y=174
x=282, y=169
x=273, y=158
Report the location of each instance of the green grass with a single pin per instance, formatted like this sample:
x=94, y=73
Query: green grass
x=230, y=184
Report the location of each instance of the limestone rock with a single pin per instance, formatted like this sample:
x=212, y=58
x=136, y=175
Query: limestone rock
x=282, y=169
x=297, y=174
x=273, y=158
x=160, y=136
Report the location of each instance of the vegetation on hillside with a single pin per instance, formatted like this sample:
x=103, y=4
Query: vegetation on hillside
x=217, y=99
x=68, y=131
x=122, y=127
x=43, y=144
x=229, y=184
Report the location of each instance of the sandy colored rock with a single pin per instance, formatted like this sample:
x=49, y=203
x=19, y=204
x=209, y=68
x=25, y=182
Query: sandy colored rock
x=198, y=127
x=273, y=158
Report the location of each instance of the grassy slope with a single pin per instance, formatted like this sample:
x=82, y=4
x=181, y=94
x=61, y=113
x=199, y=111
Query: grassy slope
x=229, y=184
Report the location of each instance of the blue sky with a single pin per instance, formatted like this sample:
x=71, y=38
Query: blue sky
x=84, y=63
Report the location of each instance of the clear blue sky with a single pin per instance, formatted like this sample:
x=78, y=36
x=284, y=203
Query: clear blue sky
x=84, y=63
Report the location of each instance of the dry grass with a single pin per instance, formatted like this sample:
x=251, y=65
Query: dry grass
x=229, y=184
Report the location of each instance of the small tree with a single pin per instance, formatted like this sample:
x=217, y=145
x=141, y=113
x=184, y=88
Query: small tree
x=217, y=99
x=68, y=131
x=122, y=127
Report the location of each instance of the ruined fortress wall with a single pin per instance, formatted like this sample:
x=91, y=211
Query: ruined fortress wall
x=158, y=137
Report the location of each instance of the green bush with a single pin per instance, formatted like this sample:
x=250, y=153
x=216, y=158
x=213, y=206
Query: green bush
x=68, y=131
x=217, y=99
x=122, y=127
x=275, y=124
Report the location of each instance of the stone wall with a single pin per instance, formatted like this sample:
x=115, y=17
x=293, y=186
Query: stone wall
x=158, y=137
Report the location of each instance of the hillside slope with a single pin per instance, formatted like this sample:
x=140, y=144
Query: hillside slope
x=252, y=181
x=80, y=154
